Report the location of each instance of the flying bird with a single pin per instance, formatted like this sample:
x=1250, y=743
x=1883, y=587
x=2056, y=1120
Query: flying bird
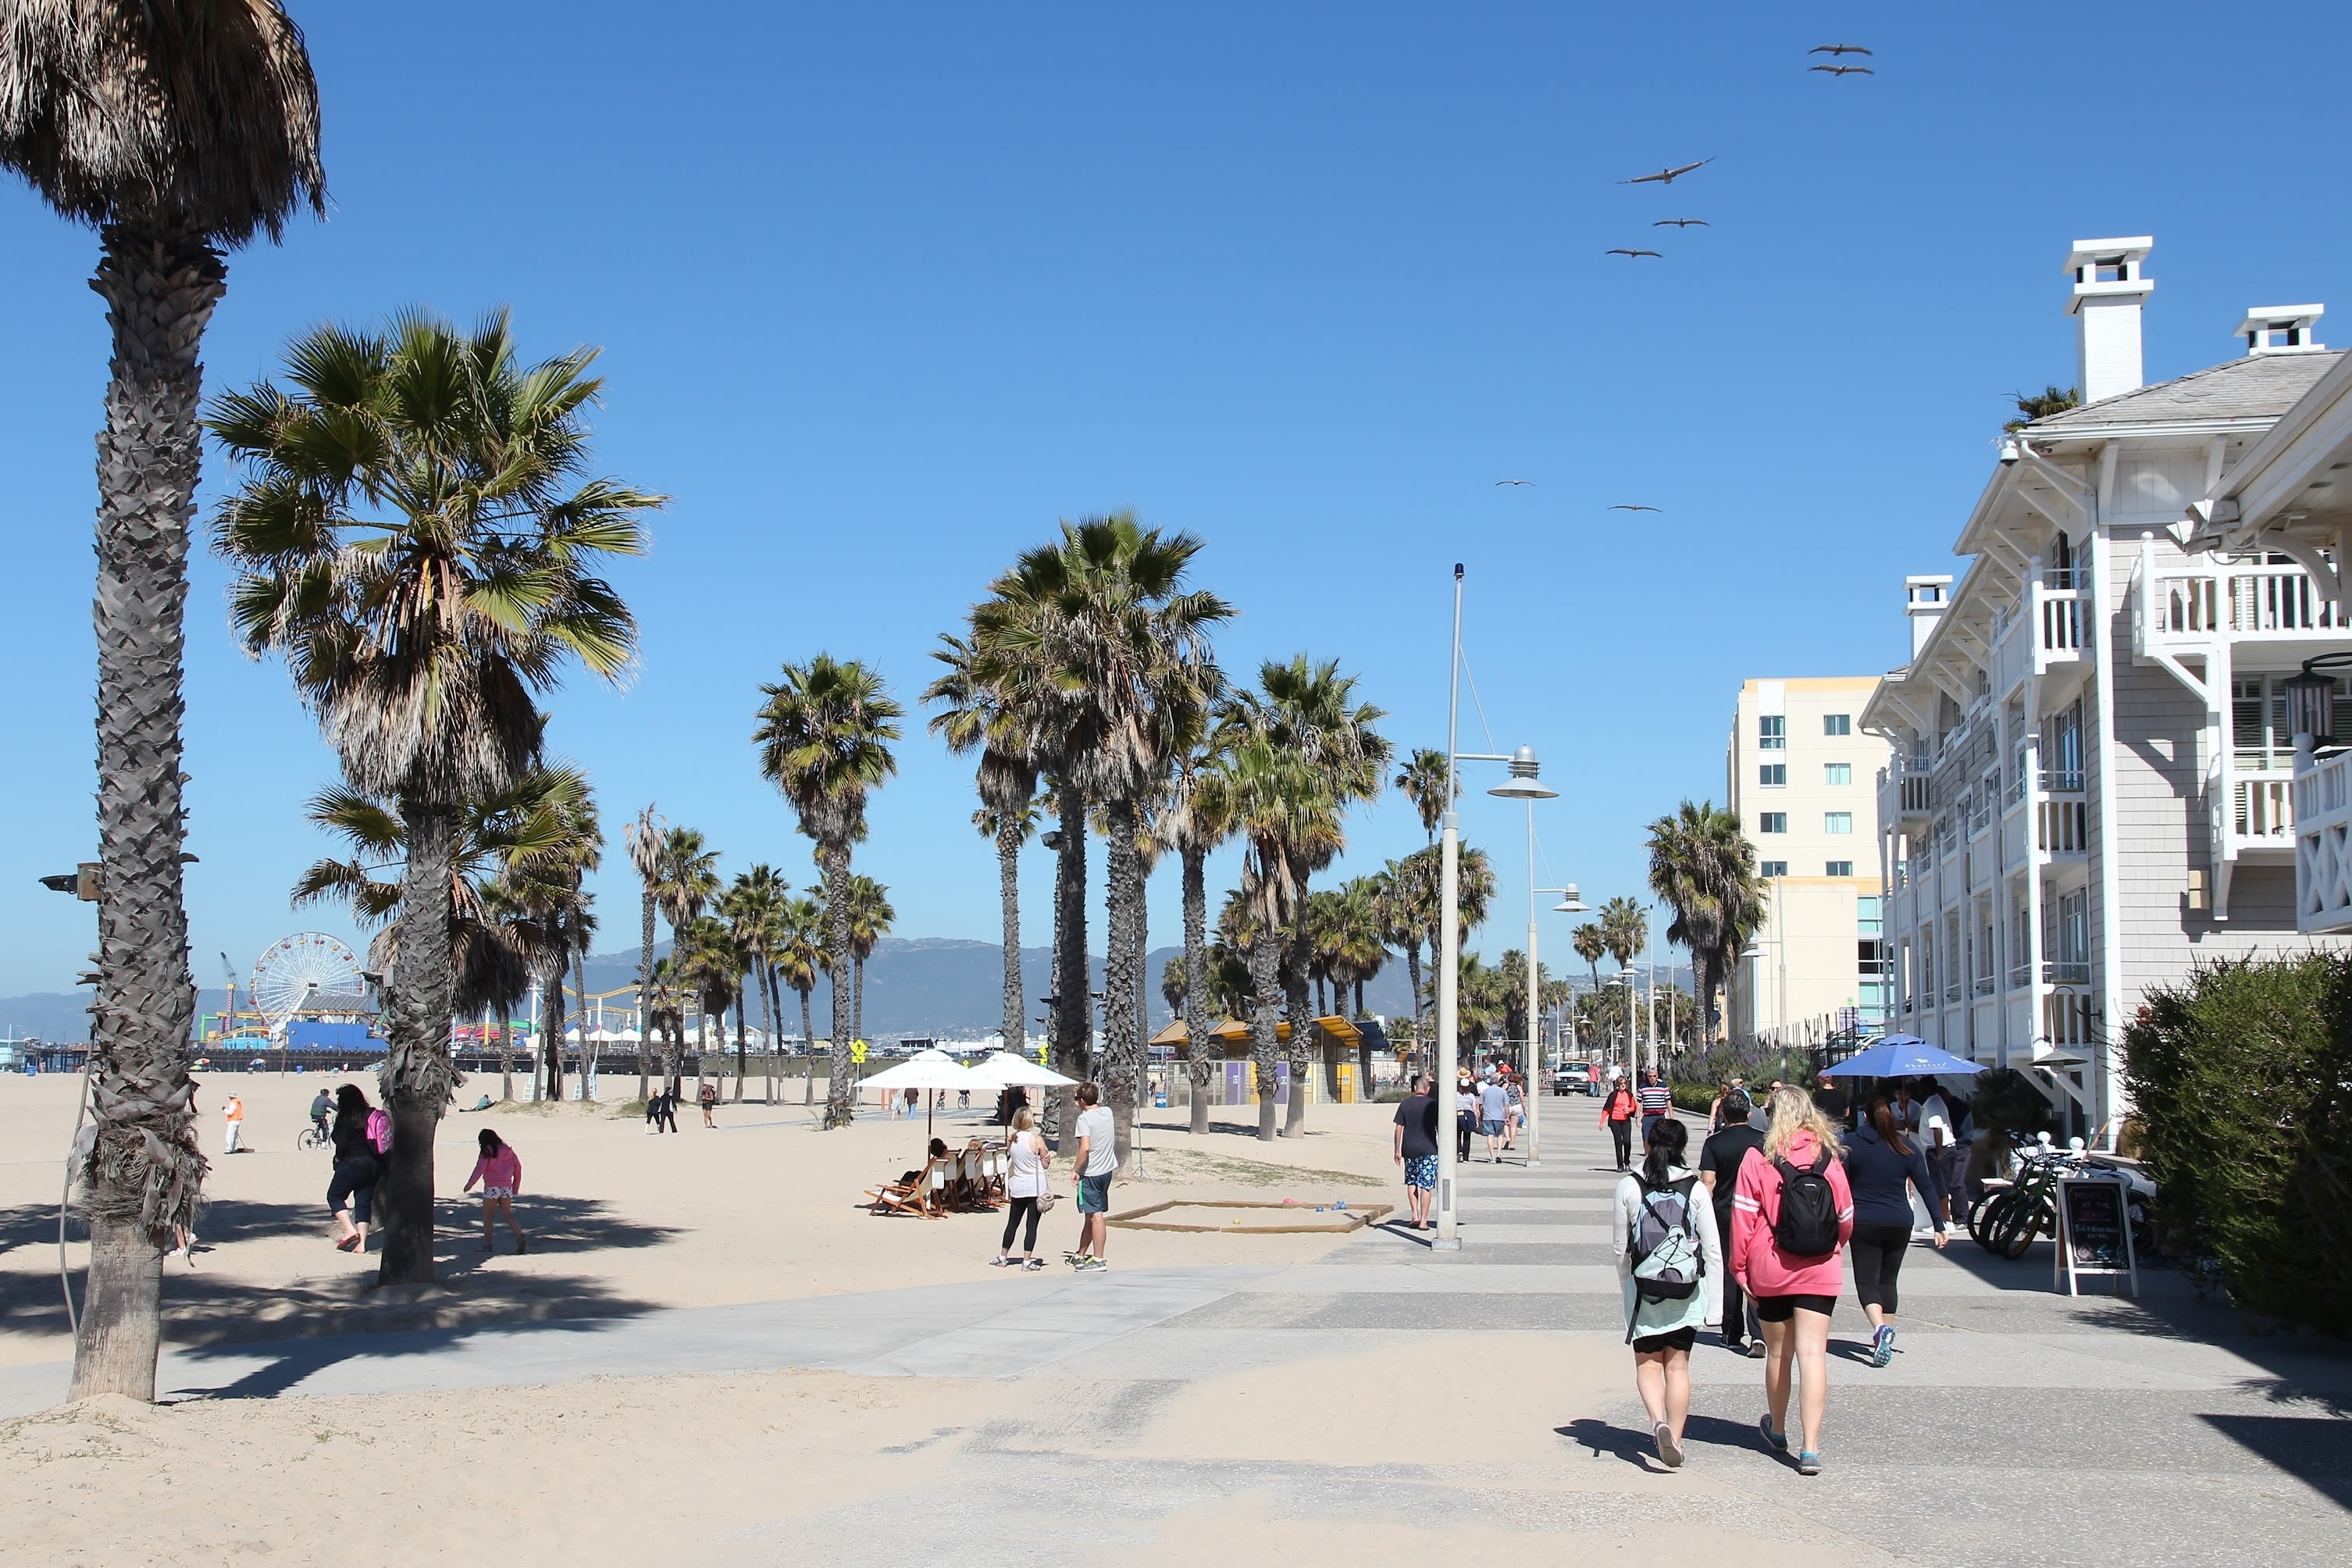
x=1621, y=506
x=1515, y=481
x=1622, y=251
x=1837, y=49
x=1845, y=70
x=1683, y=223
x=1666, y=177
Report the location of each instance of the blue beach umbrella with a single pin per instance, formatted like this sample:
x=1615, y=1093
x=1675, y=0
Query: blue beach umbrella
x=1903, y=1056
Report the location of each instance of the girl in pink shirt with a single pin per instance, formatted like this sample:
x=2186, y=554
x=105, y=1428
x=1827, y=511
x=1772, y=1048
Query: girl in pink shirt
x=499, y=1170
x=1794, y=1293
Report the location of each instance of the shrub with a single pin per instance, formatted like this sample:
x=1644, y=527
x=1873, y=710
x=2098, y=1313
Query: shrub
x=2240, y=1077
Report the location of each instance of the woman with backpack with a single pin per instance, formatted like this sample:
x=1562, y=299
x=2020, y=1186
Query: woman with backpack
x=355, y=1138
x=1791, y=1210
x=1617, y=1114
x=1883, y=1165
x=1670, y=1261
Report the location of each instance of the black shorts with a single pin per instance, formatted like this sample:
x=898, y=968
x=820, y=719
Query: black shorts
x=1679, y=1340
x=1780, y=1309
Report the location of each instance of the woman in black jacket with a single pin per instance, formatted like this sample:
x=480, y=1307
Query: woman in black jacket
x=1882, y=1166
x=355, y=1169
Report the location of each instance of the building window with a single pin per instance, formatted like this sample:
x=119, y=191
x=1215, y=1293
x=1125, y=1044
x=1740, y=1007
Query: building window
x=1837, y=822
x=1772, y=733
x=1772, y=775
x=2062, y=749
x=1839, y=869
x=1772, y=822
x=1837, y=772
x=1768, y=869
x=1837, y=723
x=1865, y=916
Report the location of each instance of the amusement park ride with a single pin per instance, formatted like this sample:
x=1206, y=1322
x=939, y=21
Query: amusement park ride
x=307, y=977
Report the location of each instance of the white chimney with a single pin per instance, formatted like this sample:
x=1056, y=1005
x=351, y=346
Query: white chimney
x=2108, y=293
x=1924, y=600
x=2281, y=328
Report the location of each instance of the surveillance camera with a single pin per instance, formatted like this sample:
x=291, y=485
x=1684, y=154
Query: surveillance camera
x=2009, y=453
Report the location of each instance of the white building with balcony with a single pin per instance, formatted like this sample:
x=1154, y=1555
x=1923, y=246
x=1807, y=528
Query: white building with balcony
x=2091, y=783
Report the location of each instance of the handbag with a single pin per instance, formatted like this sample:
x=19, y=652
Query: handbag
x=1046, y=1205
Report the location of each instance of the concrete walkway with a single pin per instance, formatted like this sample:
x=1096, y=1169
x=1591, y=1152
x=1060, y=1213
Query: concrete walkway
x=2014, y=1423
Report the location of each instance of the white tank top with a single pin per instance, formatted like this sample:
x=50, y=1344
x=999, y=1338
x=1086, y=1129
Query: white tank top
x=1027, y=1177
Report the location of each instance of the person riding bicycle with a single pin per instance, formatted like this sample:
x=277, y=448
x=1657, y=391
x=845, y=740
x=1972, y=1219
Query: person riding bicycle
x=322, y=1107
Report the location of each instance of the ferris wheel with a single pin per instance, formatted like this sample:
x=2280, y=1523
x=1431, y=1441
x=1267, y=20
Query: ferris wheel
x=310, y=972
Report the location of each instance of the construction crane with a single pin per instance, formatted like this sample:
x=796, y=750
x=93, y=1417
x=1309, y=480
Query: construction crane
x=228, y=1012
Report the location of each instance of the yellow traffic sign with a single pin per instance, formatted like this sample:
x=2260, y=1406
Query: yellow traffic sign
x=857, y=1052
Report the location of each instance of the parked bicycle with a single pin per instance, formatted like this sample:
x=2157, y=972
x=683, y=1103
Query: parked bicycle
x=2013, y=1212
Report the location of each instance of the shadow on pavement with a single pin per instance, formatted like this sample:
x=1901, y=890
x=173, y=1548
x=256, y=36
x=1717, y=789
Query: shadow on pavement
x=203, y=1307
x=1639, y=1448
x=2315, y=1449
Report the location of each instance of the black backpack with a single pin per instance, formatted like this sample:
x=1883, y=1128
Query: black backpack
x=1807, y=1225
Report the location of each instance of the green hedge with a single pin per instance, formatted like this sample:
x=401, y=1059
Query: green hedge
x=2241, y=1080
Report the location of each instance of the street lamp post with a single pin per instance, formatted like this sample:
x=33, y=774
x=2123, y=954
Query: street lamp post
x=1569, y=904
x=1521, y=785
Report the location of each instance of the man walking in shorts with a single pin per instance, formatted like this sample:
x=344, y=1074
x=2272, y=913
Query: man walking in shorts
x=1494, y=1110
x=1416, y=1150
x=1098, y=1158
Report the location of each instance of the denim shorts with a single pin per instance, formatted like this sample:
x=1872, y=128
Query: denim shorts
x=1493, y=1128
x=1094, y=1194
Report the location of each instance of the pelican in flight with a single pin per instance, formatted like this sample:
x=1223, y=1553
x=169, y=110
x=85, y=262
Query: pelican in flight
x=1839, y=49
x=1515, y=481
x=1845, y=70
x=1622, y=506
x=1683, y=223
x=1623, y=251
x=1666, y=177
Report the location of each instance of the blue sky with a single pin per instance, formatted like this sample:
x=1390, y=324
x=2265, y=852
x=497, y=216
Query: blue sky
x=884, y=291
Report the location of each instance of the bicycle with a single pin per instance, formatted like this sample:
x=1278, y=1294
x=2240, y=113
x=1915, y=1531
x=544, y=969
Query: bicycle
x=312, y=1136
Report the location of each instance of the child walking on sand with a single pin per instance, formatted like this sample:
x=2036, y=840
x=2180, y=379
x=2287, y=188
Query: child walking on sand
x=499, y=1170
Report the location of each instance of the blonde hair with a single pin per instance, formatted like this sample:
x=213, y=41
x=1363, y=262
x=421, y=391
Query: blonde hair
x=1793, y=1112
x=1022, y=1120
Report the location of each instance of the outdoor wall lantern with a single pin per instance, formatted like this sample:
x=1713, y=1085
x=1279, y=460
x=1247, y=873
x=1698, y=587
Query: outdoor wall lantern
x=2311, y=701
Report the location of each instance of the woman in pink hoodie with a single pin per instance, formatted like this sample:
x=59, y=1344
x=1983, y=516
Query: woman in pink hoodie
x=499, y=1170
x=1794, y=1289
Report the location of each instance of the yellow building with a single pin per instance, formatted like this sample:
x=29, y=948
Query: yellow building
x=1803, y=778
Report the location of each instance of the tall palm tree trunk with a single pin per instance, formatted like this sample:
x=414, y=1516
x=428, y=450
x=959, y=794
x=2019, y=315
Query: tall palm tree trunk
x=742, y=1046
x=1306, y=1041
x=1008, y=892
x=505, y=1053
x=1202, y=1054
x=144, y=1172
x=841, y=1080
x=1122, y=1047
x=550, y=1008
x=646, y=994
x=808, y=1050
x=1072, y=1021
x=579, y=982
x=1265, y=1040
x=1412, y=976
x=417, y=1073
x=857, y=997
x=763, y=975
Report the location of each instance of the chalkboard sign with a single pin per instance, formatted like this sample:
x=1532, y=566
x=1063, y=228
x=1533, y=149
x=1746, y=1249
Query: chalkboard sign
x=2095, y=1230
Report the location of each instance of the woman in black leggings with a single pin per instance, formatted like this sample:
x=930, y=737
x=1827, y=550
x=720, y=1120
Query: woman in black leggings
x=1884, y=1166
x=1026, y=1161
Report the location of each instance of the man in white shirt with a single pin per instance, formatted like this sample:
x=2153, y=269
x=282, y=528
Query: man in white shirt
x=1098, y=1157
x=1946, y=1155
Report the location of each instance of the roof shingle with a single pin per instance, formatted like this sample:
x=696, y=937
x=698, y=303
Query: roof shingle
x=2258, y=386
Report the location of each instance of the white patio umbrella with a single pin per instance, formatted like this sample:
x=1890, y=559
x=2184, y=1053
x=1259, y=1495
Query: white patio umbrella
x=932, y=1070
x=1004, y=1069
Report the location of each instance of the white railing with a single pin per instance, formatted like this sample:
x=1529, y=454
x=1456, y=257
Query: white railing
x=2263, y=808
x=2063, y=613
x=2187, y=606
x=2246, y=600
x=2067, y=1019
x=2278, y=600
x=2062, y=826
x=2323, y=845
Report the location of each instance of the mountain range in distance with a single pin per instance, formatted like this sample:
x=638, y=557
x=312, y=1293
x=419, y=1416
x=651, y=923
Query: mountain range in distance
x=938, y=986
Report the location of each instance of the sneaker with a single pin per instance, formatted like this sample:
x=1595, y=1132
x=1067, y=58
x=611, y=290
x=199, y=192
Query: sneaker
x=1670, y=1453
x=999, y=1262
x=1780, y=1441
x=1807, y=1463
x=1033, y=1266
x=1882, y=1346
x=1091, y=1265
x=1755, y=1350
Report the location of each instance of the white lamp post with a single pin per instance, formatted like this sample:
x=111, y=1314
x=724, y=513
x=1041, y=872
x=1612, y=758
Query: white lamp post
x=1569, y=904
x=1520, y=785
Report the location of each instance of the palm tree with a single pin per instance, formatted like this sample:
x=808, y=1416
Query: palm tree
x=684, y=886
x=1355, y=950
x=1591, y=943
x=1309, y=712
x=976, y=714
x=1625, y=929
x=1197, y=820
x=823, y=739
x=1408, y=893
x=408, y=535
x=800, y=958
x=870, y=919
x=645, y=837
x=710, y=967
x=666, y=999
x=1288, y=815
x=1703, y=867
x=1174, y=988
x=178, y=137
x=1423, y=782
x=754, y=908
x=1095, y=641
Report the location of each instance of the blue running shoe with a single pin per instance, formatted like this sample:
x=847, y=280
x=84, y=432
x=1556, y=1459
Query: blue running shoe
x=1886, y=1344
x=1780, y=1441
x=1809, y=1463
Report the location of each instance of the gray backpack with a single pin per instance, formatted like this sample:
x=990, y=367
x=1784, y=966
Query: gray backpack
x=1668, y=1262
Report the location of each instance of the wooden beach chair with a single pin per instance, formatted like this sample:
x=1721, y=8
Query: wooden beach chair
x=906, y=1197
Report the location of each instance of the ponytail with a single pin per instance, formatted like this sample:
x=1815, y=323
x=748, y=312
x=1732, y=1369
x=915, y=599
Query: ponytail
x=1668, y=1139
x=1882, y=1117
